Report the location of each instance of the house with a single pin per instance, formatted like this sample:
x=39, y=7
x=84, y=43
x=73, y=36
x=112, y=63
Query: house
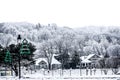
x=43, y=63
x=55, y=63
x=89, y=61
x=6, y=71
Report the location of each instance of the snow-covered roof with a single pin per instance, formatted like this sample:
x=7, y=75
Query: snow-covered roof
x=54, y=61
x=40, y=59
x=85, y=61
x=90, y=55
x=83, y=57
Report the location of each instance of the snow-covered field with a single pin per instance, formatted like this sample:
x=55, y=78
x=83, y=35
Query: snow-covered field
x=65, y=75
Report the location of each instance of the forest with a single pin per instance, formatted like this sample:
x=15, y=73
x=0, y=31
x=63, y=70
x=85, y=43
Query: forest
x=69, y=43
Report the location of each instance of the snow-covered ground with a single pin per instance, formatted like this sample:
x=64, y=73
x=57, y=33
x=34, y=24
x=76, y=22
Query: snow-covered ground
x=65, y=75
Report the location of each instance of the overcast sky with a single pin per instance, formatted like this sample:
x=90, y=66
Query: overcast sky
x=72, y=13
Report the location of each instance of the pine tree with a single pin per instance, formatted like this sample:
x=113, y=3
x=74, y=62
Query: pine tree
x=24, y=47
x=8, y=58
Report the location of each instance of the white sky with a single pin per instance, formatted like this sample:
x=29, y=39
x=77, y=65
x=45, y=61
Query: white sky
x=72, y=13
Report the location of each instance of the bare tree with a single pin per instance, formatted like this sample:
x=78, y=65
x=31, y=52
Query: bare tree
x=48, y=49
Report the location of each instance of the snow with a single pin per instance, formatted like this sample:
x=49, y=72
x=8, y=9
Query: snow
x=9, y=32
x=90, y=55
x=54, y=61
x=71, y=74
x=40, y=59
x=83, y=57
x=86, y=61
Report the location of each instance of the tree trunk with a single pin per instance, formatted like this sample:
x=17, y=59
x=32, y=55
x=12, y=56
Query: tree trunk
x=49, y=66
x=15, y=70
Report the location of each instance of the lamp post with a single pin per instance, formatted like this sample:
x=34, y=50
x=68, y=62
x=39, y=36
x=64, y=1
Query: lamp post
x=19, y=41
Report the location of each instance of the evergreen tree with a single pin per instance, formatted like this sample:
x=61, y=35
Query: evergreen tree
x=64, y=59
x=75, y=60
x=13, y=56
x=8, y=58
x=2, y=55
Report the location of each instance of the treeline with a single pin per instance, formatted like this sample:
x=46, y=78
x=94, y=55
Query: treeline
x=67, y=42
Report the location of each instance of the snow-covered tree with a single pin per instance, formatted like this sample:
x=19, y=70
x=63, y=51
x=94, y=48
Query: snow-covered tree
x=48, y=49
x=114, y=50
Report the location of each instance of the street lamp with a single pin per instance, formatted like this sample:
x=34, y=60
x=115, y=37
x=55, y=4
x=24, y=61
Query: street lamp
x=19, y=41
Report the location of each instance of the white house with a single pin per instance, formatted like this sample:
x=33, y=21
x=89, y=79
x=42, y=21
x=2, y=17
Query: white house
x=55, y=63
x=43, y=63
x=90, y=60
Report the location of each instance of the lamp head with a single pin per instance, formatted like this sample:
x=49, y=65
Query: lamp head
x=19, y=38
